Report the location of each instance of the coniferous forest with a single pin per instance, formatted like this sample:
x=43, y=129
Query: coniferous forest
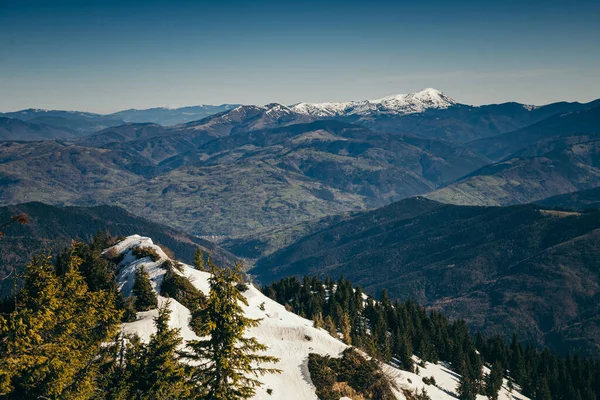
x=392, y=331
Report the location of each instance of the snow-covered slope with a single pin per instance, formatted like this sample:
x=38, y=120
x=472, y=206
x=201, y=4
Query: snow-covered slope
x=289, y=337
x=397, y=104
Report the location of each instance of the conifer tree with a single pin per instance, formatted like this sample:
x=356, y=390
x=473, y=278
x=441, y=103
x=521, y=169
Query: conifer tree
x=162, y=376
x=225, y=366
x=199, y=259
x=318, y=320
x=329, y=326
x=145, y=298
x=345, y=328
x=493, y=381
x=50, y=342
x=467, y=388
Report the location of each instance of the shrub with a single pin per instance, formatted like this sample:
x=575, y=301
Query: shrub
x=351, y=371
x=269, y=392
x=242, y=287
x=429, y=381
x=141, y=252
x=145, y=298
x=181, y=289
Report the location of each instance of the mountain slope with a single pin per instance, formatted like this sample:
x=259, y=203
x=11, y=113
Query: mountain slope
x=15, y=129
x=288, y=336
x=231, y=181
x=52, y=228
x=438, y=253
x=581, y=200
x=432, y=114
x=170, y=116
x=395, y=104
x=556, y=156
x=577, y=123
x=77, y=121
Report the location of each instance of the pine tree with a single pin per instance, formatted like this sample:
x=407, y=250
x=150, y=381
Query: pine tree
x=543, y=391
x=51, y=341
x=145, y=298
x=162, y=375
x=224, y=361
x=329, y=326
x=345, y=328
x=318, y=320
x=467, y=388
x=199, y=259
x=493, y=381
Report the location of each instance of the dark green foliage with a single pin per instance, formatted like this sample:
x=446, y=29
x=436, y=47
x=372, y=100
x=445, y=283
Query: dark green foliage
x=181, y=289
x=493, y=381
x=225, y=366
x=50, y=342
x=431, y=336
x=145, y=298
x=199, y=262
x=429, y=381
x=362, y=375
x=141, y=252
x=134, y=370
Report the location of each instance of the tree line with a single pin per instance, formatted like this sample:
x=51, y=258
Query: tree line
x=393, y=331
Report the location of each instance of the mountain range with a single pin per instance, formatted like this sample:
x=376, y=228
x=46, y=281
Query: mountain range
x=329, y=189
x=503, y=269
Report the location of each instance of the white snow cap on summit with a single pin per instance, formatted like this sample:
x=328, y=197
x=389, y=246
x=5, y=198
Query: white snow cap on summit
x=396, y=104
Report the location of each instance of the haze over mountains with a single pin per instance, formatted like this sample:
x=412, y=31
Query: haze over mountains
x=305, y=161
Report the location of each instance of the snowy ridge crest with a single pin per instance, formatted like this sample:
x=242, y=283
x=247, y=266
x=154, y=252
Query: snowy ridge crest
x=396, y=104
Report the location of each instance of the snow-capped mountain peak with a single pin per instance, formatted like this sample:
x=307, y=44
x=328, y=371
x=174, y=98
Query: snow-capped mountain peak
x=395, y=104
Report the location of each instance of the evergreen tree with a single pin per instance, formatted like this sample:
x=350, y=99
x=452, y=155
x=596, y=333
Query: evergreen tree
x=543, y=391
x=493, y=381
x=145, y=298
x=224, y=361
x=162, y=375
x=467, y=388
x=329, y=326
x=344, y=324
x=199, y=259
x=51, y=341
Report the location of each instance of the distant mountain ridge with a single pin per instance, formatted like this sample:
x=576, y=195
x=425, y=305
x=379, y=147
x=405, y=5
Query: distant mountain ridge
x=500, y=268
x=396, y=104
x=558, y=155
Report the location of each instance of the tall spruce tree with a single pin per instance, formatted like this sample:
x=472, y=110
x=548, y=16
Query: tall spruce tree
x=493, y=381
x=467, y=387
x=51, y=341
x=225, y=366
x=162, y=375
x=145, y=298
x=199, y=260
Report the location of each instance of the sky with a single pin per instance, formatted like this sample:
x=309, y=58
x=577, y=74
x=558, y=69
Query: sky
x=104, y=56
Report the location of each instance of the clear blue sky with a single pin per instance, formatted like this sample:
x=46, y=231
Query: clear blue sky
x=108, y=55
